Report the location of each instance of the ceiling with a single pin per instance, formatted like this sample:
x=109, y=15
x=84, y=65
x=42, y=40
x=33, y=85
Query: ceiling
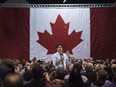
x=57, y=1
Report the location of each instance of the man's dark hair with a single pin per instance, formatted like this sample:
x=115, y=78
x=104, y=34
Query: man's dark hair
x=27, y=76
x=37, y=72
x=75, y=79
x=102, y=74
x=77, y=66
x=58, y=45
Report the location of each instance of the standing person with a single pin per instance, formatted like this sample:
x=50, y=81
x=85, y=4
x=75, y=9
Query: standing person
x=75, y=79
x=59, y=58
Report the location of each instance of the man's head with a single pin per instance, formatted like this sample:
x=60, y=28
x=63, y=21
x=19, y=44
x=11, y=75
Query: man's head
x=60, y=73
x=59, y=48
x=102, y=74
x=37, y=72
x=13, y=80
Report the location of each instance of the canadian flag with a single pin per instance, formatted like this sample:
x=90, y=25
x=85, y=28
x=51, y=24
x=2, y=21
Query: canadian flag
x=70, y=27
x=84, y=32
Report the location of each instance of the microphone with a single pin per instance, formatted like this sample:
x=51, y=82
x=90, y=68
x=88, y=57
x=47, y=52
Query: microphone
x=61, y=54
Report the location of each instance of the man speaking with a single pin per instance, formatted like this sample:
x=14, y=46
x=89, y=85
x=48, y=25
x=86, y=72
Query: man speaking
x=59, y=58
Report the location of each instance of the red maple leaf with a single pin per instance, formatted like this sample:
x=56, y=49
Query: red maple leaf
x=59, y=35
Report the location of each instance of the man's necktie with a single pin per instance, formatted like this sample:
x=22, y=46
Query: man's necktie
x=61, y=55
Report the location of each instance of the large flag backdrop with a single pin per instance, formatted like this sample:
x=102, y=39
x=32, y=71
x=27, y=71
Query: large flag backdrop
x=70, y=27
x=85, y=32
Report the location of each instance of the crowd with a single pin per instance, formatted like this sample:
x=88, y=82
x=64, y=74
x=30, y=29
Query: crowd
x=39, y=73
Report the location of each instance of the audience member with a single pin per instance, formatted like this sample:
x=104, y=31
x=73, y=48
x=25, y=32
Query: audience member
x=13, y=80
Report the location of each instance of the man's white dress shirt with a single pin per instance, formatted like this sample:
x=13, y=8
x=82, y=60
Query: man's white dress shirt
x=56, y=57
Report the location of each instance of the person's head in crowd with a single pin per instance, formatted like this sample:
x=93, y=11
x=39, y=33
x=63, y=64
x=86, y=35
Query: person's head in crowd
x=10, y=64
x=59, y=48
x=80, y=61
x=109, y=70
x=27, y=76
x=101, y=79
x=37, y=72
x=18, y=62
x=22, y=62
x=89, y=67
x=99, y=62
x=7, y=66
x=102, y=75
x=91, y=58
x=107, y=64
x=32, y=64
x=75, y=79
x=113, y=61
x=34, y=59
x=77, y=66
x=18, y=68
x=107, y=60
x=48, y=63
x=27, y=66
x=60, y=73
x=84, y=63
x=88, y=60
x=102, y=61
x=113, y=67
x=68, y=53
x=76, y=60
x=4, y=70
x=41, y=63
x=71, y=67
x=99, y=67
x=13, y=80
